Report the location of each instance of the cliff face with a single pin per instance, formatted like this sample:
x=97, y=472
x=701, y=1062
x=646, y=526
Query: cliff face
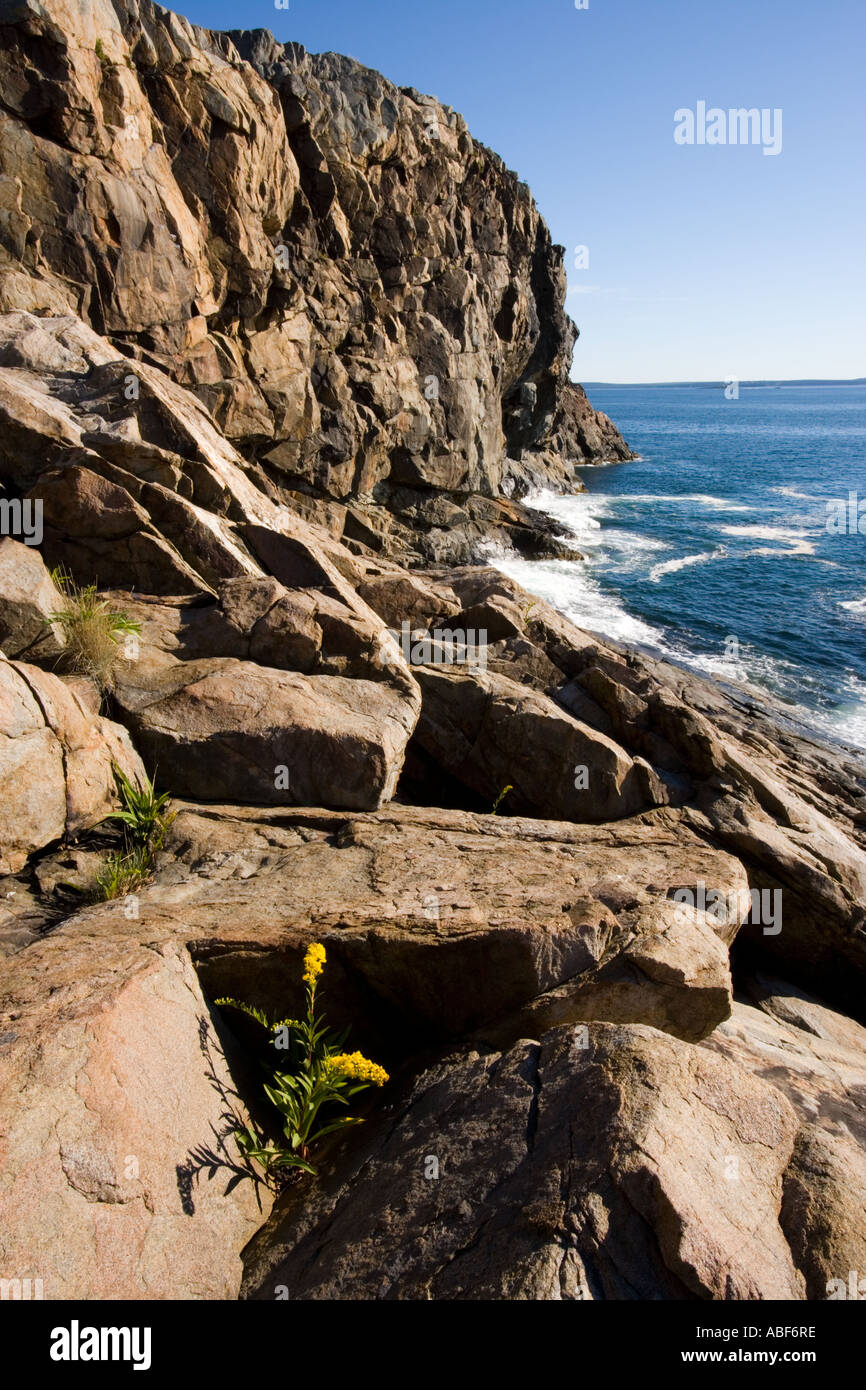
x=364, y=297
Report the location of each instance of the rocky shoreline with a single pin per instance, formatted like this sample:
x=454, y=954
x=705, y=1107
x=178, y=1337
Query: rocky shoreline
x=281, y=350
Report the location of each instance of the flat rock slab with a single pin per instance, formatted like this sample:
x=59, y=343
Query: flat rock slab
x=439, y=922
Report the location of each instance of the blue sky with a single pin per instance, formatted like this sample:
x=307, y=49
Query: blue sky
x=704, y=261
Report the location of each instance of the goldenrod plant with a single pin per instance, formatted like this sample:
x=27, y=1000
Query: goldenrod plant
x=500, y=798
x=317, y=1076
x=92, y=628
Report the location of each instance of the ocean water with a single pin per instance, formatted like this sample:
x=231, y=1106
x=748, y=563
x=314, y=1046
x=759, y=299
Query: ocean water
x=713, y=548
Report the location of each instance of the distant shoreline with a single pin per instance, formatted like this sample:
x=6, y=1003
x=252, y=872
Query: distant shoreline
x=744, y=385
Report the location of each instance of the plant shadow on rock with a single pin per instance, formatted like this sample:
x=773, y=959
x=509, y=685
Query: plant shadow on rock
x=216, y=1158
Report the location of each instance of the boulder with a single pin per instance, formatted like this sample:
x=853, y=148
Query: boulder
x=817, y=870
x=56, y=762
x=822, y=1212
x=399, y=597
x=119, y=1178
x=313, y=631
x=817, y=1059
x=219, y=726
x=488, y=732
x=673, y=973
x=28, y=598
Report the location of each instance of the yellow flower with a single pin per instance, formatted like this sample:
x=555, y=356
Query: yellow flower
x=356, y=1067
x=314, y=963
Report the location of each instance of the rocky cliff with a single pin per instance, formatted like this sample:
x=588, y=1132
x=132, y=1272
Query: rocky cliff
x=275, y=337
x=366, y=300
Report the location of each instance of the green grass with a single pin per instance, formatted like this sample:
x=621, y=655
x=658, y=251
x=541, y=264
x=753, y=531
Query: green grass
x=145, y=820
x=143, y=814
x=121, y=873
x=92, y=628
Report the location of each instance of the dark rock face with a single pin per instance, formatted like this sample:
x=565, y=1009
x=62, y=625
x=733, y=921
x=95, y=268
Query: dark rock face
x=363, y=296
x=552, y=1172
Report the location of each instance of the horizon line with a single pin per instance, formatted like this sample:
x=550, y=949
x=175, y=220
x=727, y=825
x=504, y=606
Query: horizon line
x=742, y=381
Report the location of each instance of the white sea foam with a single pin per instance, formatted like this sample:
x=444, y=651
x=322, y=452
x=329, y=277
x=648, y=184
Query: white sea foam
x=762, y=533
x=632, y=540
x=761, y=673
x=684, y=562
x=493, y=551
x=799, y=496
x=796, y=541
x=728, y=668
x=848, y=721
x=582, y=514
x=703, y=499
x=572, y=589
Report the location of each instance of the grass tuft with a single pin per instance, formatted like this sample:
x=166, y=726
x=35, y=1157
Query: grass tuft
x=145, y=822
x=92, y=628
x=121, y=873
